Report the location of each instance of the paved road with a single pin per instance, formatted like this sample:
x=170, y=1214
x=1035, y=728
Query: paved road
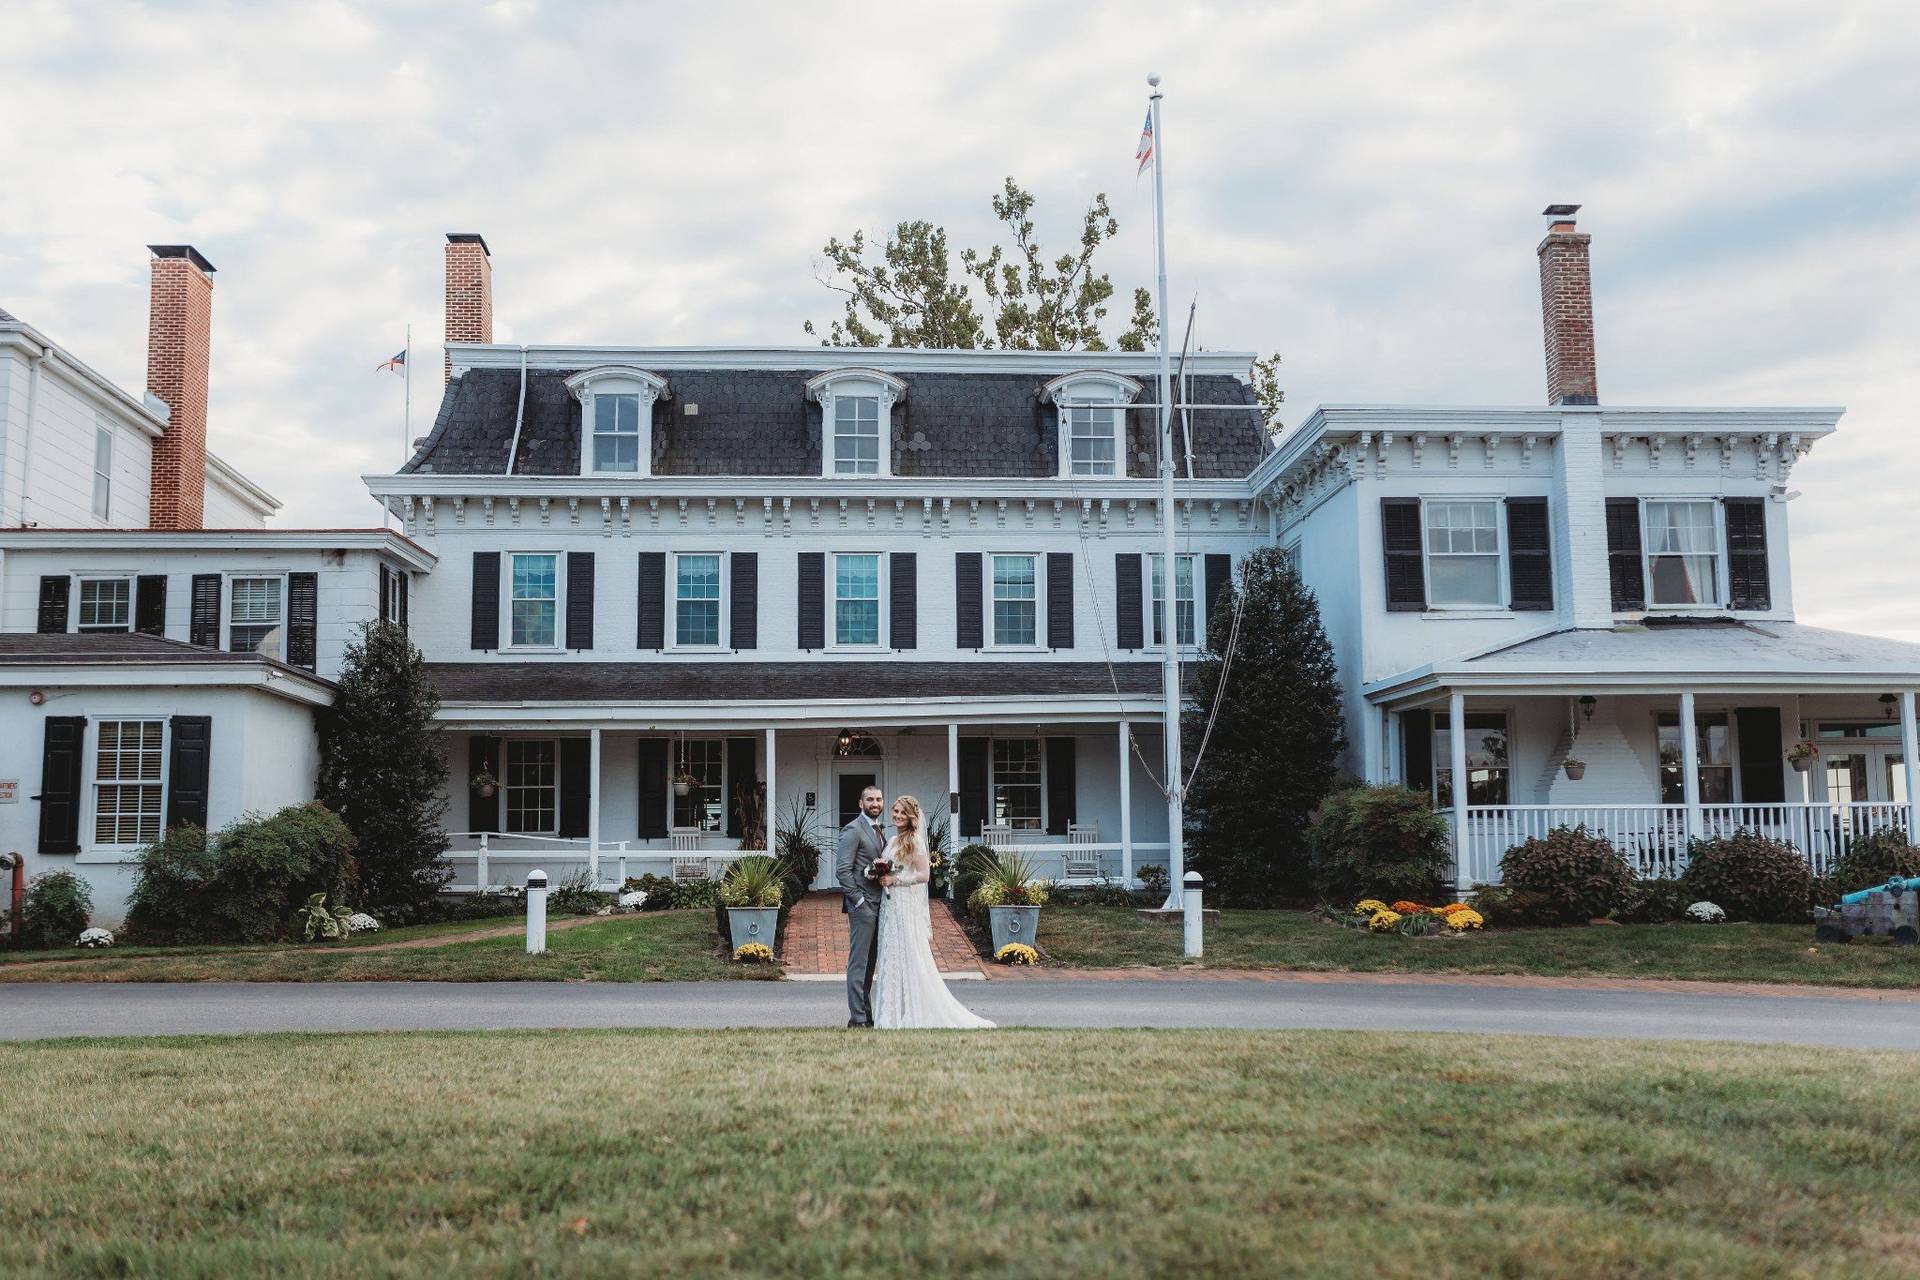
x=29, y=1012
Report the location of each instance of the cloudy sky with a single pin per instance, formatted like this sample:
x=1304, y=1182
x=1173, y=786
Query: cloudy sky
x=1356, y=186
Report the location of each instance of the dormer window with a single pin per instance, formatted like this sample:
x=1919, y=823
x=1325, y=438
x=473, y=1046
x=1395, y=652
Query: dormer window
x=1091, y=419
x=616, y=417
x=856, y=413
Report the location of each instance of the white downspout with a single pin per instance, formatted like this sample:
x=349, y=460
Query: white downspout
x=34, y=362
x=519, y=413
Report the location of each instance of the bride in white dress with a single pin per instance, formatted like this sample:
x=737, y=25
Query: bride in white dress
x=907, y=988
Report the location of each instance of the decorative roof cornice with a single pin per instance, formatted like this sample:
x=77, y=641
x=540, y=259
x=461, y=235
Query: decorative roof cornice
x=894, y=360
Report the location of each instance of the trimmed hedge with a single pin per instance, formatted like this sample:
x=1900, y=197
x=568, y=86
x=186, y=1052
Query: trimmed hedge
x=1875, y=859
x=1751, y=877
x=1578, y=875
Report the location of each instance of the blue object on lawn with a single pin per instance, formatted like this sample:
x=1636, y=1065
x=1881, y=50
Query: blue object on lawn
x=1897, y=885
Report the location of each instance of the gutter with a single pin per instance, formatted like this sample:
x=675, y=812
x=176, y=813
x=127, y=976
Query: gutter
x=519, y=413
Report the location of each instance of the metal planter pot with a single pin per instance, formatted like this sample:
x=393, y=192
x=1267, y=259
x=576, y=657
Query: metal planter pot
x=752, y=924
x=1013, y=924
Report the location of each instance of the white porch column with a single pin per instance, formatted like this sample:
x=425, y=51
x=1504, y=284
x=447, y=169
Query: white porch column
x=767, y=810
x=1909, y=748
x=1126, y=804
x=1391, y=751
x=593, y=806
x=1690, y=764
x=953, y=805
x=1457, y=760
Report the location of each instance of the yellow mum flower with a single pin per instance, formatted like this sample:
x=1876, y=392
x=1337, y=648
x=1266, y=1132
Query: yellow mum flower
x=1367, y=906
x=1464, y=918
x=754, y=953
x=1383, y=920
x=1017, y=953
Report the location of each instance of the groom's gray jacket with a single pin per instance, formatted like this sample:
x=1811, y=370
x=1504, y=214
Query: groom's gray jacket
x=859, y=844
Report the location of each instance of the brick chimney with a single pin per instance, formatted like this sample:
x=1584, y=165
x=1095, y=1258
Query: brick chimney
x=469, y=291
x=179, y=338
x=1566, y=310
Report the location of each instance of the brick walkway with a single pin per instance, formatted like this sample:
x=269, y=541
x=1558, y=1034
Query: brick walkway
x=817, y=938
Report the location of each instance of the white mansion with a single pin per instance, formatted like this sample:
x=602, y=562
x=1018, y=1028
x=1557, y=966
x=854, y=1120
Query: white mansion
x=665, y=590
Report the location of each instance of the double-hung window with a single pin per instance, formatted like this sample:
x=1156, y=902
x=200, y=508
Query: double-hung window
x=1185, y=620
x=1463, y=553
x=1683, y=552
x=696, y=599
x=856, y=435
x=532, y=785
x=856, y=599
x=102, y=471
x=1486, y=759
x=616, y=431
x=255, y=608
x=1016, y=783
x=106, y=604
x=1090, y=440
x=704, y=760
x=127, y=783
x=1016, y=605
x=534, y=600
x=1713, y=743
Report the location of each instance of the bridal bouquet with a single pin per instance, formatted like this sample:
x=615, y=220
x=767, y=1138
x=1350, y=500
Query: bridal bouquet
x=880, y=867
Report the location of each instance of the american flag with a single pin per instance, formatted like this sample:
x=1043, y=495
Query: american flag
x=397, y=364
x=1145, y=154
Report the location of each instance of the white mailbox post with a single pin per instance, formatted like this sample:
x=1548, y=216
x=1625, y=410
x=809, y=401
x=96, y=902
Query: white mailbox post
x=1190, y=902
x=536, y=913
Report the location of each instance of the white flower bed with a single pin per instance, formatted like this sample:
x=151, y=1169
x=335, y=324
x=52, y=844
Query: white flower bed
x=1706, y=913
x=96, y=938
x=633, y=899
x=361, y=922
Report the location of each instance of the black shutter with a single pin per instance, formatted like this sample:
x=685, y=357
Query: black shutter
x=150, y=604
x=61, y=754
x=386, y=591
x=1416, y=750
x=813, y=600
x=1126, y=601
x=1059, y=599
x=576, y=785
x=483, y=756
x=486, y=600
x=1747, y=573
x=1625, y=574
x=579, y=599
x=968, y=632
x=1761, y=754
x=303, y=619
x=739, y=779
x=652, y=600
x=653, y=788
x=903, y=600
x=53, y=603
x=973, y=785
x=188, y=769
x=204, y=616
x=1400, y=540
x=1219, y=573
x=1061, y=784
x=400, y=581
x=743, y=585
x=1529, y=555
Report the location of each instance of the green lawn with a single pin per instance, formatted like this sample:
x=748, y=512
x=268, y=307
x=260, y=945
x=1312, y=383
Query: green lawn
x=1018, y=1153
x=658, y=946
x=1108, y=937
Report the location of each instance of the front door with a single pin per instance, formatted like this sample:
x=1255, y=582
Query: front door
x=849, y=780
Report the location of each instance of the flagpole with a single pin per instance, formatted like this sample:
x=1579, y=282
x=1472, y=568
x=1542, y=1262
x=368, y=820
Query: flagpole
x=1169, y=567
x=406, y=443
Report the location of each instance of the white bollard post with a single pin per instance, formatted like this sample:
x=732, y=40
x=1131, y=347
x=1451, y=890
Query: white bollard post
x=536, y=913
x=1190, y=902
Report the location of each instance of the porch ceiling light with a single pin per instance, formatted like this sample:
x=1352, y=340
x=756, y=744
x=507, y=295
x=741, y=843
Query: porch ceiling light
x=1886, y=704
x=1587, y=703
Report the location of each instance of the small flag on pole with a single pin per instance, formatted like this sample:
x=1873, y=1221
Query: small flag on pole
x=1145, y=154
x=398, y=364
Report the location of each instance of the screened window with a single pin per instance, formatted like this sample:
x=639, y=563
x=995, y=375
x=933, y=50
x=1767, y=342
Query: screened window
x=1683, y=553
x=532, y=785
x=253, y=615
x=856, y=435
x=126, y=771
x=1090, y=440
x=1463, y=553
x=856, y=599
x=616, y=432
x=1016, y=606
x=106, y=604
x=704, y=805
x=534, y=604
x=1016, y=783
x=1715, y=744
x=102, y=471
x=1486, y=759
x=1185, y=621
x=696, y=599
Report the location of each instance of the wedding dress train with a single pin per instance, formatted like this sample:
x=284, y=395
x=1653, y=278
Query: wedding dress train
x=907, y=988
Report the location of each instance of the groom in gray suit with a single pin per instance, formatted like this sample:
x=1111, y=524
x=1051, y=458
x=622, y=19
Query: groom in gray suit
x=861, y=841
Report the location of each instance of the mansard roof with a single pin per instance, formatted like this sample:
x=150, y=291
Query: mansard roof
x=965, y=414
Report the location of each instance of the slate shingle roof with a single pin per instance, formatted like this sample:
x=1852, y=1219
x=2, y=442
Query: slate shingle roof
x=756, y=422
x=722, y=682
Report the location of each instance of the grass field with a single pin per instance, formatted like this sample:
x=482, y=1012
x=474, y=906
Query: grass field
x=1108, y=937
x=1011, y=1153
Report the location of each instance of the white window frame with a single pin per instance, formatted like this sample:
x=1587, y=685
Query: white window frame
x=226, y=606
x=1198, y=562
x=102, y=506
x=994, y=784
x=500, y=817
x=559, y=601
x=1087, y=388
x=617, y=380
x=80, y=581
x=394, y=578
x=990, y=636
x=880, y=599
x=723, y=620
x=1720, y=560
x=92, y=776
x=1502, y=589
x=835, y=384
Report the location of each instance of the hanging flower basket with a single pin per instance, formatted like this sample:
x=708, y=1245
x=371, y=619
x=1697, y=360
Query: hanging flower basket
x=484, y=784
x=683, y=783
x=1802, y=756
x=1576, y=769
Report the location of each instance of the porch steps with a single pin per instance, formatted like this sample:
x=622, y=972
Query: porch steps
x=816, y=944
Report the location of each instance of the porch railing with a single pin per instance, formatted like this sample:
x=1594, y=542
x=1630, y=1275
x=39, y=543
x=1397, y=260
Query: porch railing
x=1654, y=838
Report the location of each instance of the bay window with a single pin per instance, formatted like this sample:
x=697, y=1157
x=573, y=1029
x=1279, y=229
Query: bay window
x=1683, y=552
x=696, y=599
x=127, y=786
x=856, y=599
x=533, y=600
x=1016, y=783
x=1016, y=606
x=1463, y=553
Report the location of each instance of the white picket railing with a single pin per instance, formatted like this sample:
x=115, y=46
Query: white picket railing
x=1653, y=837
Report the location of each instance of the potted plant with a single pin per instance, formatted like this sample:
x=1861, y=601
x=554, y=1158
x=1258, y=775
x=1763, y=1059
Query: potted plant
x=484, y=783
x=1576, y=769
x=684, y=782
x=752, y=891
x=1802, y=756
x=1009, y=894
